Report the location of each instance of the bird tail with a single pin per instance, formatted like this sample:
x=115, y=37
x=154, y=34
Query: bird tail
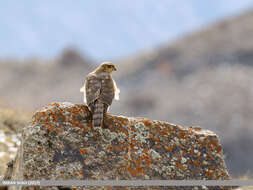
x=98, y=114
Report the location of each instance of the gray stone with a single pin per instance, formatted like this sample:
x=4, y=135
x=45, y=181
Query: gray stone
x=60, y=143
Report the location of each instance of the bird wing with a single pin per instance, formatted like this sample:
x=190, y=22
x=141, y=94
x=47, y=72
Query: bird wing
x=84, y=93
x=116, y=90
x=92, y=88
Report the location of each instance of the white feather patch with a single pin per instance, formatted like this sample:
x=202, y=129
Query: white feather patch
x=116, y=91
x=84, y=94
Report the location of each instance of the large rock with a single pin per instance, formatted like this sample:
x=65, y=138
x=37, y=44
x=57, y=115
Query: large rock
x=61, y=143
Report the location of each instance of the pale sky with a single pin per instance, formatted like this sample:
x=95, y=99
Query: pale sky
x=103, y=29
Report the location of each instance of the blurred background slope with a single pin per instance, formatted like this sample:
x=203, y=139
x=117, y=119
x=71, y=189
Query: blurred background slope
x=188, y=63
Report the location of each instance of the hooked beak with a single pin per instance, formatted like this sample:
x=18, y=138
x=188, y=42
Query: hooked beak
x=114, y=68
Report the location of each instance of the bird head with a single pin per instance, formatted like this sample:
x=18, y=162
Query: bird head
x=107, y=67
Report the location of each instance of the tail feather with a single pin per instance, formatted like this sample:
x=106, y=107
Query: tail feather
x=98, y=114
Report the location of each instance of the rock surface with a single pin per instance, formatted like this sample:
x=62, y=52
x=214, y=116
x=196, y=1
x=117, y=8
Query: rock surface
x=60, y=143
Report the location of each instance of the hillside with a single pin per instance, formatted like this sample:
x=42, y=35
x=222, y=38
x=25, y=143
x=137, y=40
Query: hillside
x=226, y=42
x=33, y=83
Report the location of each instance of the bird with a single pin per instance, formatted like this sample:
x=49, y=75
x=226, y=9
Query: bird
x=99, y=91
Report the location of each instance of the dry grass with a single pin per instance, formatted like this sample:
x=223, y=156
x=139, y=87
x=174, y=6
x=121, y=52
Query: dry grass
x=12, y=121
x=11, y=124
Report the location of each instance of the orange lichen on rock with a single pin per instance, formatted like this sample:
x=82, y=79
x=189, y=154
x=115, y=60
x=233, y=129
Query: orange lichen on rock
x=180, y=166
x=109, y=147
x=145, y=150
x=196, y=163
x=83, y=151
x=159, y=146
x=138, y=161
x=131, y=170
x=124, y=148
x=40, y=149
x=108, y=187
x=76, y=173
x=146, y=122
x=182, y=135
x=139, y=170
x=50, y=127
x=122, y=130
x=58, y=131
x=147, y=159
x=123, y=121
x=219, y=148
x=164, y=132
x=169, y=148
x=118, y=148
x=208, y=174
x=214, y=143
